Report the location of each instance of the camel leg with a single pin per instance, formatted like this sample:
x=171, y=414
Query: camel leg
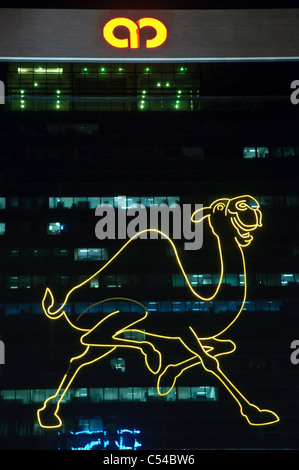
x=167, y=379
x=49, y=411
x=109, y=332
x=215, y=347
x=254, y=415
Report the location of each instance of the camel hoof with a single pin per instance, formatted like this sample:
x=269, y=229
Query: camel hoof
x=257, y=417
x=48, y=418
x=167, y=380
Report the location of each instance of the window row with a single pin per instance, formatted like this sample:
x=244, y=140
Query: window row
x=163, y=306
x=82, y=254
x=101, y=87
x=274, y=152
x=125, y=202
x=151, y=280
x=79, y=254
x=49, y=86
x=127, y=394
x=265, y=279
x=118, y=202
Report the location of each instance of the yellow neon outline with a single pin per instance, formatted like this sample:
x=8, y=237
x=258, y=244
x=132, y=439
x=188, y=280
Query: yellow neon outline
x=108, y=33
x=207, y=354
x=161, y=31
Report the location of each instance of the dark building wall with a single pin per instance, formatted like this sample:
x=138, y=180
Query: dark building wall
x=197, y=156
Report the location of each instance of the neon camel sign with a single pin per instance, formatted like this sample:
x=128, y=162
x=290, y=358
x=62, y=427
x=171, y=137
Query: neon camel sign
x=232, y=222
x=134, y=32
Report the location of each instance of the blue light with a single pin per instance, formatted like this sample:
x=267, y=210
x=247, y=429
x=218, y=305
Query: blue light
x=104, y=443
x=88, y=446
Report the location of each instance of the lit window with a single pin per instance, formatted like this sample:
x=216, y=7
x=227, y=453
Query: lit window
x=90, y=254
x=178, y=280
x=81, y=393
x=118, y=364
x=2, y=228
x=286, y=279
x=94, y=283
x=249, y=152
x=55, y=228
x=255, y=152
x=61, y=202
x=18, y=282
x=262, y=152
x=110, y=394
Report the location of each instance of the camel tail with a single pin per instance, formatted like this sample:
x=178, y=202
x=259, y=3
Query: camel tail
x=47, y=304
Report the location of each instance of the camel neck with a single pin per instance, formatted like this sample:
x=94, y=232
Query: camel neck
x=231, y=261
x=232, y=258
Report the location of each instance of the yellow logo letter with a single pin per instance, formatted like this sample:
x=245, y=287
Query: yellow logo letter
x=161, y=31
x=108, y=33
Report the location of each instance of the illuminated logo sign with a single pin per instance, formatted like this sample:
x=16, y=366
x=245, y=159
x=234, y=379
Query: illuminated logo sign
x=125, y=323
x=133, y=29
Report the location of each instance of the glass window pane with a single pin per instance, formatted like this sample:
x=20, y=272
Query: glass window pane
x=110, y=394
x=184, y=393
x=96, y=395
x=54, y=228
x=262, y=152
x=286, y=279
x=249, y=152
x=126, y=394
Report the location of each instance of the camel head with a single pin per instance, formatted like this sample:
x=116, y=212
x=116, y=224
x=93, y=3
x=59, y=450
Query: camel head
x=238, y=217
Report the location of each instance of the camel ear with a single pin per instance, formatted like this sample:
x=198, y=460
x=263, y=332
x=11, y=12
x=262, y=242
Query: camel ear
x=200, y=214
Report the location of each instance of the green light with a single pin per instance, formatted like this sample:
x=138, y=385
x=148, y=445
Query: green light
x=102, y=69
x=22, y=92
x=179, y=92
x=143, y=92
x=35, y=84
x=158, y=84
x=147, y=69
x=58, y=92
x=57, y=106
x=120, y=69
x=167, y=84
x=22, y=101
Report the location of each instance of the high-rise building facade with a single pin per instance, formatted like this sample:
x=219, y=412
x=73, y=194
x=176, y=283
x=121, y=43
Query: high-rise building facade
x=183, y=122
